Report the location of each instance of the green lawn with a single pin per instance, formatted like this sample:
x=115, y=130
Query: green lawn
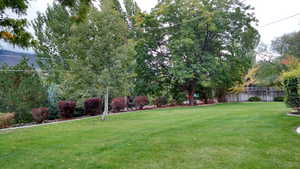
x=224, y=136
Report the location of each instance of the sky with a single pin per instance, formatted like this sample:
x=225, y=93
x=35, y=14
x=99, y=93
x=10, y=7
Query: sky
x=267, y=11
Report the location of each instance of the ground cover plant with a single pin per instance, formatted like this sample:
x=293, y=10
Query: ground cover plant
x=234, y=135
x=254, y=99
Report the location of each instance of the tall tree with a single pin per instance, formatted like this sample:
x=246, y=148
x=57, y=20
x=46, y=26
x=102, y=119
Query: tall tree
x=89, y=58
x=21, y=90
x=287, y=45
x=189, y=43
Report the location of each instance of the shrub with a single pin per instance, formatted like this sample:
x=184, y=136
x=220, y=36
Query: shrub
x=53, y=112
x=79, y=111
x=66, y=108
x=130, y=102
x=53, y=99
x=93, y=106
x=179, y=98
x=160, y=101
x=278, y=99
x=6, y=119
x=254, y=99
x=141, y=101
x=118, y=104
x=292, y=98
x=39, y=115
x=23, y=116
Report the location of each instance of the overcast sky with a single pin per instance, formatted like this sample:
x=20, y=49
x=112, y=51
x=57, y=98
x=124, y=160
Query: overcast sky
x=266, y=11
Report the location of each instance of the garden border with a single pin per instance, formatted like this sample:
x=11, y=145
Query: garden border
x=82, y=118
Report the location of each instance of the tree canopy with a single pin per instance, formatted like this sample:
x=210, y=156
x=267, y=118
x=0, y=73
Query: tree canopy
x=189, y=43
x=287, y=45
x=13, y=30
x=20, y=91
x=88, y=58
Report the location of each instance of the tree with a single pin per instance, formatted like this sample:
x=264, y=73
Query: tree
x=21, y=90
x=195, y=43
x=269, y=72
x=287, y=45
x=87, y=59
x=13, y=30
x=81, y=7
x=290, y=81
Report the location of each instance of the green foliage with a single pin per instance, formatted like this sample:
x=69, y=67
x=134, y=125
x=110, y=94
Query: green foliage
x=53, y=99
x=19, y=6
x=194, y=43
x=287, y=45
x=291, y=86
x=21, y=91
x=80, y=8
x=85, y=58
x=161, y=101
x=292, y=73
x=178, y=96
x=279, y=99
x=269, y=72
x=290, y=80
x=13, y=30
x=254, y=99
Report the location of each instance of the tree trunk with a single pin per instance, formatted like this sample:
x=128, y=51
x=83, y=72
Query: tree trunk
x=221, y=95
x=191, y=97
x=205, y=100
x=126, y=103
x=105, y=113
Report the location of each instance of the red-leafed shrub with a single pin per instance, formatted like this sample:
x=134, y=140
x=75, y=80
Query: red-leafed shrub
x=40, y=114
x=93, y=106
x=118, y=104
x=141, y=101
x=6, y=119
x=66, y=108
x=160, y=101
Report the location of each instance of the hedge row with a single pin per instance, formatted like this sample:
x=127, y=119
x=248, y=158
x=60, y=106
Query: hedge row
x=67, y=109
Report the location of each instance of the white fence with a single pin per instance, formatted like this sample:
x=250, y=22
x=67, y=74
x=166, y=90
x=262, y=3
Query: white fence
x=266, y=94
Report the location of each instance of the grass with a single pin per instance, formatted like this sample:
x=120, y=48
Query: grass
x=237, y=135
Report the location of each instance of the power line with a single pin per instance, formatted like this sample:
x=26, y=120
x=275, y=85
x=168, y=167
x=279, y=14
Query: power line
x=18, y=70
x=42, y=71
x=280, y=20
